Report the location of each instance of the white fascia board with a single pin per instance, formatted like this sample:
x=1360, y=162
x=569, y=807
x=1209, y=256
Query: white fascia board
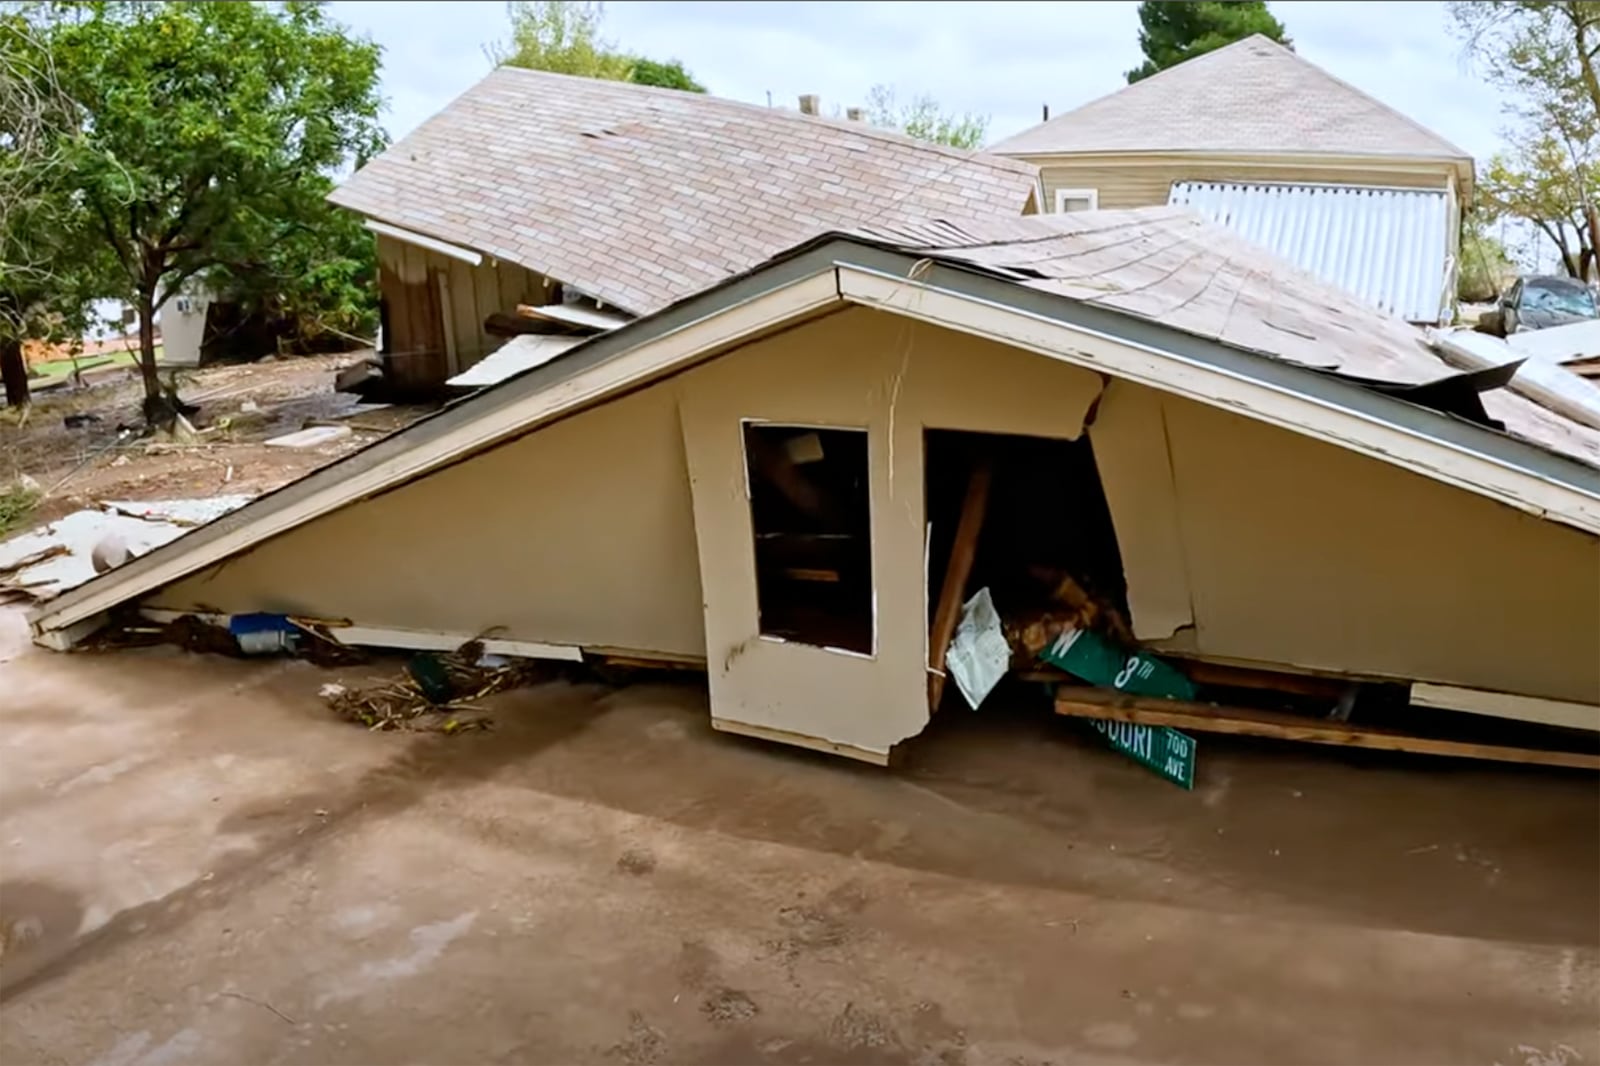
x=1564, y=713
x=433, y=244
x=632, y=367
x=1221, y=388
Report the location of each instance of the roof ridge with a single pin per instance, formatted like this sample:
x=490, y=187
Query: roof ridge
x=866, y=129
x=1132, y=85
x=1401, y=115
x=1067, y=132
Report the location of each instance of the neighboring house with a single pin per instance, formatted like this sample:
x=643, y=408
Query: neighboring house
x=1277, y=149
x=764, y=478
x=182, y=321
x=535, y=188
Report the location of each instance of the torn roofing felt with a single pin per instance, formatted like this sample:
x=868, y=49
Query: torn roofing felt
x=1149, y=279
x=640, y=196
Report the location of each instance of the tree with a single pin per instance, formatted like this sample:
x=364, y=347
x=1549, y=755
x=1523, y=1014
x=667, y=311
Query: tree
x=1484, y=263
x=1174, y=31
x=921, y=118
x=210, y=132
x=1545, y=55
x=45, y=285
x=563, y=37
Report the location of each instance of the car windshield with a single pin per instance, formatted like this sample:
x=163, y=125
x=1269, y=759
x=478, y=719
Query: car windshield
x=1572, y=299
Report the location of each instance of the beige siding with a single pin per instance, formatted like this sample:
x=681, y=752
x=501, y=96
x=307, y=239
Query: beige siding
x=1300, y=552
x=1147, y=184
x=580, y=533
x=467, y=295
x=1253, y=542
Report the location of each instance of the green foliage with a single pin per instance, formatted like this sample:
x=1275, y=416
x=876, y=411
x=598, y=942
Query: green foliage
x=921, y=118
x=46, y=278
x=563, y=37
x=16, y=501
x=669, y=75
x=1544, y=55
x=318, y=279
x=1172, y=31
x=1485, y=264
x=211, y=131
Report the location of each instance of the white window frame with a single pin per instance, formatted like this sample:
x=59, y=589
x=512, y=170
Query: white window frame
x=872, y=518
x=1063, y=195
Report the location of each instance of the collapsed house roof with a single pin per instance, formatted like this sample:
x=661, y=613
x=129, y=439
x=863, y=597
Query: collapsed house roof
x=1251, y=97
x=639, y=196
x=1155, y=296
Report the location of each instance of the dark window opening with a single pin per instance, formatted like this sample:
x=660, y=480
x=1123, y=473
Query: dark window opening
x=810, y=515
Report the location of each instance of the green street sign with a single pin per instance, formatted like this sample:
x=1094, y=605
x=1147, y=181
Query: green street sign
x=1164, y=750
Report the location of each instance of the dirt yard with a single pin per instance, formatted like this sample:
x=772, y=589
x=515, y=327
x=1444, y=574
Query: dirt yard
x=201, y=866
x=73, y=446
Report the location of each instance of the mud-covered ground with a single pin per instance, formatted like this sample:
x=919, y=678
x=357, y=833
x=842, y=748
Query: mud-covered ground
x=198, y=864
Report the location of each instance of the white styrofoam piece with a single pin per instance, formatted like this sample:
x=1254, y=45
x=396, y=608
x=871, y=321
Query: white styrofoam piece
x=80, y=531
x=512, y=358
x=1545, y=382
x=310, y=438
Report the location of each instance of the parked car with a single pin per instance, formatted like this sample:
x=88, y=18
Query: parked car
x=1540, y=301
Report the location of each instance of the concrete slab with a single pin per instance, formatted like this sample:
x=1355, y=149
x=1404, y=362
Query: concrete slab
x=200, y=866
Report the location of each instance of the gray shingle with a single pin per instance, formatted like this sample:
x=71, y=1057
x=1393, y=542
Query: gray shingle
x=549, y=172
x=1253, y=96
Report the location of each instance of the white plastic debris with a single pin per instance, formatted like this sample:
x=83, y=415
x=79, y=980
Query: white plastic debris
x=139, y=526
x=979, y=655
x=310, y=438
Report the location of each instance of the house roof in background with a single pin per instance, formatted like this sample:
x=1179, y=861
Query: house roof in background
x=1388, y=246
x=1251, y=97
x=640, y=196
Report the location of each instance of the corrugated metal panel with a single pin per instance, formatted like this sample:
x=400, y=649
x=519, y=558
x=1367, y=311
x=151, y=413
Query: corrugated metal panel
x=1391, y=247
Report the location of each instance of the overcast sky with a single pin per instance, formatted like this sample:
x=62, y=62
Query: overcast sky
x=1002, y=60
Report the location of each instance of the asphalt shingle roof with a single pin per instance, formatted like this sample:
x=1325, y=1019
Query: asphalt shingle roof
x=640, y=196
x=1253, y=96
x=1169, y=265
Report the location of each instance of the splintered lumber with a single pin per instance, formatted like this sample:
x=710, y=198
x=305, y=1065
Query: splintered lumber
x=1240, y=721
x=956, y=572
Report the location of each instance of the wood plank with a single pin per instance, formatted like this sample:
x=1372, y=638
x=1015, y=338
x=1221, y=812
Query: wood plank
x=573, y=315
x=956, y=572
x=486, y=289
x=1227, y=676
x=1239, y=721
x=465, y=320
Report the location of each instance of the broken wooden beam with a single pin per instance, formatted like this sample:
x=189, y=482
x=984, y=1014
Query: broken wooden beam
x=962, y=553
x=1274, y=725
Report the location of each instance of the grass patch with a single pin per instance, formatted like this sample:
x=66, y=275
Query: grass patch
x=16, y=503
x=56, y=367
